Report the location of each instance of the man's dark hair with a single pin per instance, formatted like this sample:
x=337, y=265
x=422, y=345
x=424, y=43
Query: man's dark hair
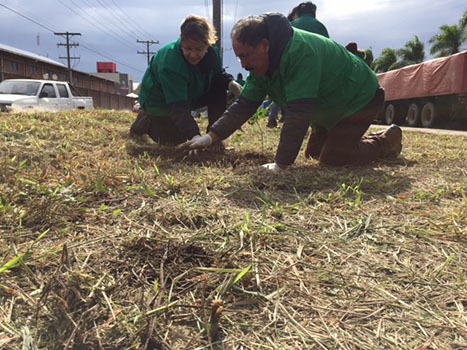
x=250, y=31
x=306, y=7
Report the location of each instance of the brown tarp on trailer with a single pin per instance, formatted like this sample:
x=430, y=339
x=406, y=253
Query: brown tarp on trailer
x=440, y=76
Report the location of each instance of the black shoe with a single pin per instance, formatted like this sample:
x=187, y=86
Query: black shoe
x=141, y=125
x=272, y=123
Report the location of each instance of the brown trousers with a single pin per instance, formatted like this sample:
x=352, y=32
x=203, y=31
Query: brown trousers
x=345, y=143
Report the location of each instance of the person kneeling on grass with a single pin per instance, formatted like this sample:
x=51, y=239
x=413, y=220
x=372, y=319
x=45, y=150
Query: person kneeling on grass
x=317, y=82
x=184, y=75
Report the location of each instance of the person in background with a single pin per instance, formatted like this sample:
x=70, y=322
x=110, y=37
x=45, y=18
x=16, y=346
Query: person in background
x=302, y=17
x=241, y=82
x=240, y=79
x=184, y=75
x=305, y=14
x=318, y=82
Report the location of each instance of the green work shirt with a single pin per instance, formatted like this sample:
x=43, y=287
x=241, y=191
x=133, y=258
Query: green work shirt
x=170, y=78
x=240, y=81
x=314, y=67
x=310, y=24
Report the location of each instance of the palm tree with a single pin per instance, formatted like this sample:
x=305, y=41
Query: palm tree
x=369, y=58
x=387, y=58
x=451, y=38
x=413, y=52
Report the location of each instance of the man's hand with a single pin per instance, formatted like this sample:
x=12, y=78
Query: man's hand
x=274, y=167
x=193, y=152
x=196, y=142
x=235, y=88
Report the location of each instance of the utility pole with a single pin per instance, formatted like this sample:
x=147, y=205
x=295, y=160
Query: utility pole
x=217, y=19
x=68, y=57
x=147, y=52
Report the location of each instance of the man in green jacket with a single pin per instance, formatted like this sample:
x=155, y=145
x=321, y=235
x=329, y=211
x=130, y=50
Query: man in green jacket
x=318, y=82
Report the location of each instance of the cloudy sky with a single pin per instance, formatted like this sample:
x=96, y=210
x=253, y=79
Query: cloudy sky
x=110, y=28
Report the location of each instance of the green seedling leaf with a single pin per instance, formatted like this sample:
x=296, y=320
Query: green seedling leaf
x=13, y=262
x=241, y=274
x=155, y=286
x=42, y=235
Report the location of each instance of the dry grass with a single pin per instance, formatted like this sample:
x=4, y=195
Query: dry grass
x=107, y=243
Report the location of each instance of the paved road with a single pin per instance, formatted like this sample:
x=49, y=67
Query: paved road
x=430, y=131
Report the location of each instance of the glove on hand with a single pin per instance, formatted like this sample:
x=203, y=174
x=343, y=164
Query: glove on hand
x=271, y=166
x=196, y=142
x=193, y=152
x=235, y=88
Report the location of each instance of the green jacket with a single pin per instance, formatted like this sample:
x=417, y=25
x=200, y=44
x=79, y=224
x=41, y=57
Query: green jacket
x=310, y=24
x=171, y=79
x=314, y=67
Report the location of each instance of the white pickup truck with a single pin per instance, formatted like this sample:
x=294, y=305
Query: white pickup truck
x=41, y=95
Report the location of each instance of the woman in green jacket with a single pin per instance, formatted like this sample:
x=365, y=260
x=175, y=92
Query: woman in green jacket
x=184, y=75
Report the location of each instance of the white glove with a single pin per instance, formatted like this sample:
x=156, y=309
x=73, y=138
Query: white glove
x=193, y=152
x=235, y=88
x=197, y=142
x=272, y=167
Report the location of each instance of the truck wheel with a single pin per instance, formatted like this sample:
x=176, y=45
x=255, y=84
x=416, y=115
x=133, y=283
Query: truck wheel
x=390, y=114
x=428, y=115
x=413, y=115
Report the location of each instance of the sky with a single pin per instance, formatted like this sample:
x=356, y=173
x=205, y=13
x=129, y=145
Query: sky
x=110, y=28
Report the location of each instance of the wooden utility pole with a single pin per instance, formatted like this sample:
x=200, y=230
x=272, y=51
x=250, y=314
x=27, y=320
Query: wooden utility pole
x=68, y=57
x=217, y=21
x=147, y=52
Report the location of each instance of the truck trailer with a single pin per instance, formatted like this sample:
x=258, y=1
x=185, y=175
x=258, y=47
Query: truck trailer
x=426, y=93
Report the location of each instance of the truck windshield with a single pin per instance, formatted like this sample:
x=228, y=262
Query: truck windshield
x=29, y=88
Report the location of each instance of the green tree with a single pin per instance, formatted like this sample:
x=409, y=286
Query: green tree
x=369, y=58
x=449, y=41
x=387, y=58
x=413, y=52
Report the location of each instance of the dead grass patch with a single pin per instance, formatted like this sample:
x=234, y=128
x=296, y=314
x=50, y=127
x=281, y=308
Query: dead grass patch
x=109, y=243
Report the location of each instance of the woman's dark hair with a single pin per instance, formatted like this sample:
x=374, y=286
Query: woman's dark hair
x=306, y=7
x=250, y=30
x=291, y=16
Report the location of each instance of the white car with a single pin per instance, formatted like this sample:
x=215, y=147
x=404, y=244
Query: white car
x=43, y=95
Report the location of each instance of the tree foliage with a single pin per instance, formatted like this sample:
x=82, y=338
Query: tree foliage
x=387, y=58
x=413, y=52
x=448, y=42
x=450, y=39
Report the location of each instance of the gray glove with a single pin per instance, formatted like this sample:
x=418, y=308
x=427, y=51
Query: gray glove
x=197, y=142
x=235, y=88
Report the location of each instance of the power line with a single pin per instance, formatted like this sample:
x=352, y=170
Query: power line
x=68, y=45
x=123, y=21
x=148, y=52
x=109, y=32
x=135, y=23
x=89, y=10
x=81, y=45
x=26, y=17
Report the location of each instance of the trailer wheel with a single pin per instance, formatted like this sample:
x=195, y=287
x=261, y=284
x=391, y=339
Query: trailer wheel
x=428, y=115
x=413, y=115
x=390, y=114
